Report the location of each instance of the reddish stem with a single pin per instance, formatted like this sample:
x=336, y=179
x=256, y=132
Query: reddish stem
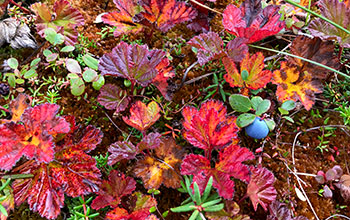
x=20, y=7
x=84, y=207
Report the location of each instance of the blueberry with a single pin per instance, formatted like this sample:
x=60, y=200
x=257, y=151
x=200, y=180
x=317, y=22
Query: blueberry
x=258, y=129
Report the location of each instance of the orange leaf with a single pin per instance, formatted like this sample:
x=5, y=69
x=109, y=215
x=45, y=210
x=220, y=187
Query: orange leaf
x=164, y=169
x=257, y=77
x=292, y=85
x=141, y=116
x=17, y=107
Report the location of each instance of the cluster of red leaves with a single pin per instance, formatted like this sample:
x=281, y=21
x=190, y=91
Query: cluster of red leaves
x=257, y=77
x=64, y=19
x=114, y=189
x=59, y=163
x=299, y=80
x=252, y=22
x=159, y=14
x=209, y=128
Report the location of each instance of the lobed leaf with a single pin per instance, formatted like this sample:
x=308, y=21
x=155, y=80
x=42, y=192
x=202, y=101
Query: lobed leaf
x=257, y=77
x=63, y=19
x=121, y=150
x=122, y=19
x=292, y=85
x=141, y=116
x=260, y=188
x=163, y=168
x=209, y=127
x=165, y=72
x=165, y=14
x=252, y=22
x=133, y=62
x=112, y=97
x=33, y=138
x=337, y=12
x=112, y=190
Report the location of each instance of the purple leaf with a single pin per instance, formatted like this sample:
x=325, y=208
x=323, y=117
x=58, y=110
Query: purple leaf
x=113, y=98
x=121, y=150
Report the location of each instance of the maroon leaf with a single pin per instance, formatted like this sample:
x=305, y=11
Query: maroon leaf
x=113, y=98
x=150, y=141
x=260, y=188
x=33, y=139
x=209, y=127
x=279, y=211
x=164, y=14
x=209, y=45
x=237, y=49
x=133, y=62
x=121, y=150
x=112, y=190
x=252, y=22
x=337, y=12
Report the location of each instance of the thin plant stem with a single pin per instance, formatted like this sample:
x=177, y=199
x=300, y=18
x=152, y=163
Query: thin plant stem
x=337, y=215
x=318, y=15
x=302, y=58
x=204, y=6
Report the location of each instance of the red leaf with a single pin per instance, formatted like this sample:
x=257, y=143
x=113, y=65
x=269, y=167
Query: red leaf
x=165, y=72
x=139, y=208
x=34, y=139
x=251, y=22
x=260, y=188
x=18, y=105
x=121, y=150
x=133, y=62
x=209, y=128
x=150, y=141
x=163, y=168
x=63, y=19
x=237, y=49
x=72, y=172
x=113, y=98
x=141, y=116
x=123, y=18
x=164, y=14
x=254, y=65
x=230, y=165
x=112, y=190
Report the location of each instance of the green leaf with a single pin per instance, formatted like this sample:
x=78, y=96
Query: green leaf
x=288, y=105
x=184, y=208
x=165, y=214
x=256, y=100
x=90, y=61
x=207, y=189
x=53, y=37
x=288, y=118
x=76, y=84
x=13, y=63
x=240, y=103
x=99, y=83
x=73, y=66
x=19, y=81
x=244, y=75
x=35, y=62
x=67, y=49
x=283, y=111
x=11, y=79
x=263, y=107
x=197, y=194
x=245, y=119
x=210, y=203
x=47, y=52
x=270, y=124
x=30, y=74
x=194, y=215
x=152, y=209
x=90, y=75
x=3, y=210
x=214, y=208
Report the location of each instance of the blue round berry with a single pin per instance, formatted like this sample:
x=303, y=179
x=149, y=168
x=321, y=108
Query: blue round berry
x=258, y=129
